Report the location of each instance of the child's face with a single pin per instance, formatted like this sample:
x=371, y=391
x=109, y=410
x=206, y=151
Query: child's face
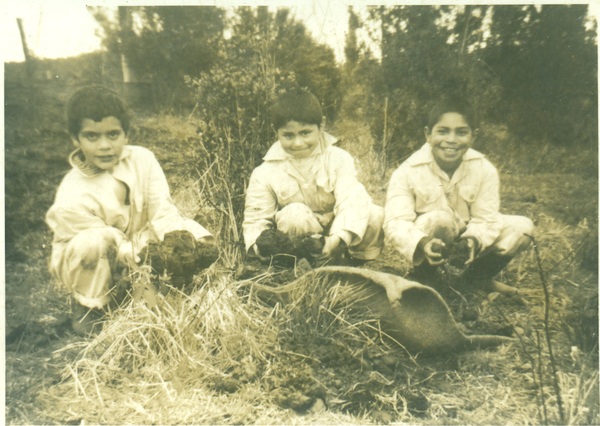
x=450, y=138
x=101, y=142
x=299, y=139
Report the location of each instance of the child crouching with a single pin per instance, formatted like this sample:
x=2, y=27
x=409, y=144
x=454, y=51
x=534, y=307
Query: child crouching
x=113, y=203
x=308, y=187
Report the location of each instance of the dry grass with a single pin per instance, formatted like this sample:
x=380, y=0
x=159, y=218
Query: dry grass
x=200, y=358
x=148, y=358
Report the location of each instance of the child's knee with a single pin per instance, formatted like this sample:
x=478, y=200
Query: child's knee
x=376, y=216
x=91, y=245
x=297, y=219
x=439, y=224
x=516, y=235
x=524, y=225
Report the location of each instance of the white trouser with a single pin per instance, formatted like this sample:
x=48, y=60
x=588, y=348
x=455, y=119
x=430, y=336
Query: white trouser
x=297, y=219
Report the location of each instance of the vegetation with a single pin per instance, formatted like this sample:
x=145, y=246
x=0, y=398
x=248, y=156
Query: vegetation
x=524, y=67
x=219, y=353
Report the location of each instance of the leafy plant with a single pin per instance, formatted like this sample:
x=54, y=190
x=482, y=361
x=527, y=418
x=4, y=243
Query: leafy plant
x=233, y=101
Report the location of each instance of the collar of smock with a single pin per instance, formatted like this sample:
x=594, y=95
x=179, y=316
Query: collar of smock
x=77, y=161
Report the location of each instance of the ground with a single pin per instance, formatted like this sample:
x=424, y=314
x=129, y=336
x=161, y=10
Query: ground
x=296, y=364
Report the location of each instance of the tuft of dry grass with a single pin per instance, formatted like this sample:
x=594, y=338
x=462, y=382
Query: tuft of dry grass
x=201, y=358
x=146, y=356
x=148, y=365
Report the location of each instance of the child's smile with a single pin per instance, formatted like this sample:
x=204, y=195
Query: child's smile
x=299, y=139
x=450, y=138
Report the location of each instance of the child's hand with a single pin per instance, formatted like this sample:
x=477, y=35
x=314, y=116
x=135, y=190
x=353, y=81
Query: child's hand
x=255, y=252
x=332, y=242
x=434, y=251
x=126, y=254
x=324, y=219
x=473, y=245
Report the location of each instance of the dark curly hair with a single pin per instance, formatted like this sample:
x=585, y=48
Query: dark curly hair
x=457, y=105
x=297, y=105
x=95, y=103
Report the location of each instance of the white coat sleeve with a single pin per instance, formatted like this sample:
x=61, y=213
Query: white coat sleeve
x=260, y=208
x=69, y=216
x=163, y=214
x=400, y=214
x=486, y=222
x=352, y=201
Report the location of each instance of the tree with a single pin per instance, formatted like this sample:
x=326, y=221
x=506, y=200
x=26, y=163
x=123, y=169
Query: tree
x=293, y=49
x=426, y=53
x=351, y=46
x=547, y=63
x=162, y=44
x=265, y=54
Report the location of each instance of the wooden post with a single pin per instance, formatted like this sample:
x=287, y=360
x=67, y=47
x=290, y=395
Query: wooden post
x=26, y=51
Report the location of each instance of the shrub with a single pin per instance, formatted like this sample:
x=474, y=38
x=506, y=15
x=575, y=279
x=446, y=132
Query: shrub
x=233, y=123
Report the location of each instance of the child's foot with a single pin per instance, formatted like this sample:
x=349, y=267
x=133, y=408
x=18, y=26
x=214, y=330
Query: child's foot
x=431, y=276
x=86, y=321
x=491, y=285
x=357, y=263
x=121, y=287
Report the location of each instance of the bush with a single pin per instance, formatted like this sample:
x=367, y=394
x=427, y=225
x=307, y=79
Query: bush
x=233, y=122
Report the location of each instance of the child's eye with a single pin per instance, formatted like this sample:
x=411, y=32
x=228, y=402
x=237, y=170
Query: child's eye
x=442, y=131
x=114, y=135
x=305, y=132
x=91, y=136
x=462, y=132
x=288, y=135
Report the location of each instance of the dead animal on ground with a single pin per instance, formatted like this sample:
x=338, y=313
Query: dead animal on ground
x=411, y=313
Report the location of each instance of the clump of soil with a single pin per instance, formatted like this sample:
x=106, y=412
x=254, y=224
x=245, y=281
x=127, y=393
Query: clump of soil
x=295, y=385
x=180, y=256
x=458, y=253
x=315, y=371
x=286, y=250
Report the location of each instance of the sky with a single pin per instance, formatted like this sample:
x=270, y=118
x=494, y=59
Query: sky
x=63, y=28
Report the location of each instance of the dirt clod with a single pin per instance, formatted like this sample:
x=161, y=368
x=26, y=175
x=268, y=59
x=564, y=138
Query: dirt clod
x=458, y=253
x=180, y=256
x=286, y=250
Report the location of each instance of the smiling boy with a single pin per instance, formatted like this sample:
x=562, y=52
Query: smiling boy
x=307, y=186
x=112, y=203
x=447, y=193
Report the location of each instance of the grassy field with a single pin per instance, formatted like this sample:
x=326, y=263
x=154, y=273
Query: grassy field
x=220, y=355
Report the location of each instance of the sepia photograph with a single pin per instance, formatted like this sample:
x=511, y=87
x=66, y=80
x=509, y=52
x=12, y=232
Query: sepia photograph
x=300, y=213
